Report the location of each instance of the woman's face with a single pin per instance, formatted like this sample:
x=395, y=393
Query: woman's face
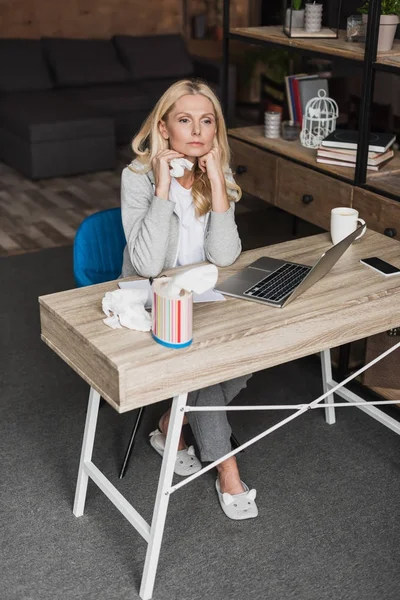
x=190, y=127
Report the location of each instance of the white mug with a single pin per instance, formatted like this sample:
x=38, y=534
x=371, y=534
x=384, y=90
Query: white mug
x=344, y=221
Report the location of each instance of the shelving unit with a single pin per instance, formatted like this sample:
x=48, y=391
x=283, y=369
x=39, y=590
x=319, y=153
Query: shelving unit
x=385, y=182
x=287, y=174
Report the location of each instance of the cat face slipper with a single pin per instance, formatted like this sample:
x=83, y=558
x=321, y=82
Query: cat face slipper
x=238, y=506
x=186, y=462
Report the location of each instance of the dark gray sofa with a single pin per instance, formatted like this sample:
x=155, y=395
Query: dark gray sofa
x=66, y=103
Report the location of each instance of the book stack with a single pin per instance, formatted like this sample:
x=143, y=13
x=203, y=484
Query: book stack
x=340, y=148
x=299, y=90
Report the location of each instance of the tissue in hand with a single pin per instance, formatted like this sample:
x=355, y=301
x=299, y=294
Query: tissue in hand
x=126, y=308
x=178, y=166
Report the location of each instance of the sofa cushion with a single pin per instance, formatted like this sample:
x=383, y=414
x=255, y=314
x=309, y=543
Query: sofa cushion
x=84, y=62
x=155, y=87
x=22, y=66
x=114, y=99
x=127, y=124
x=154, y=57
x=45, y=116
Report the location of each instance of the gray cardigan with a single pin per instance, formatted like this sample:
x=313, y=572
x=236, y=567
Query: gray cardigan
x=152, y=229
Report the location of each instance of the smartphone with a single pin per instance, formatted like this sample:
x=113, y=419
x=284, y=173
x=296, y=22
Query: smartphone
x=381, y=266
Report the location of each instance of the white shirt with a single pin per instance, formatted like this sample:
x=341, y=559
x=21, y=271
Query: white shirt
x=191, y=227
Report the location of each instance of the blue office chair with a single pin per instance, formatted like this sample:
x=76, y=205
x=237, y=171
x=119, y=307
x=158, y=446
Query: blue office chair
x=98, y=248
x=98, y=251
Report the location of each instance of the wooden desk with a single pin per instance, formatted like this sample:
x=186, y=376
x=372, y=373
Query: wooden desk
x=231, y=338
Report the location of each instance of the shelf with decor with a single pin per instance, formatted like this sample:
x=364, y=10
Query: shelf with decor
x=385, y=181
x=332, y=47
x=294, y=151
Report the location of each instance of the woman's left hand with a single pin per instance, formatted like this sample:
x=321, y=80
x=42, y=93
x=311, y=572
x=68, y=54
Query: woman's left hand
x=210, y=163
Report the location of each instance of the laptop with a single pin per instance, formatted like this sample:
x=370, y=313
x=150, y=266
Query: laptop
x=277, y=282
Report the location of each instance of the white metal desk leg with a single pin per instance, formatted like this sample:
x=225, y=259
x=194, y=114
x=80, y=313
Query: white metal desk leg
x=86, y=453
x=162, y=498
x=326, y=369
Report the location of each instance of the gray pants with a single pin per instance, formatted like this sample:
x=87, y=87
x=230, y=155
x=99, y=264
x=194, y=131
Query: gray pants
x=211, y=429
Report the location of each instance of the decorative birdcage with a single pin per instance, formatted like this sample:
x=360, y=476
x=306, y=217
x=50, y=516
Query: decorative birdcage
x=319, y=120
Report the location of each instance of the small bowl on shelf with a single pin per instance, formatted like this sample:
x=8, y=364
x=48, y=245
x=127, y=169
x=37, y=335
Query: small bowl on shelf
x=290, y=131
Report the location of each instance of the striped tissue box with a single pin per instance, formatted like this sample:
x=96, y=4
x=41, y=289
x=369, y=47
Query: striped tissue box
x=172, y=318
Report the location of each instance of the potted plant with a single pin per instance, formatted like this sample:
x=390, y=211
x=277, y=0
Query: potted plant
x=390, y=11
x=297, y=15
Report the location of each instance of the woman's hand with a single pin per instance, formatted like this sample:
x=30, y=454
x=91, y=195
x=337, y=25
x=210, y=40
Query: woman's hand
x=210, y=163
x=161, y=171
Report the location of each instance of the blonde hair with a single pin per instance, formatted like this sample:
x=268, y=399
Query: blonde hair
x=149, y=141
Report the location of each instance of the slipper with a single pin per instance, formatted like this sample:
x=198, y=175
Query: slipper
x=186, y=462
x=238, y=506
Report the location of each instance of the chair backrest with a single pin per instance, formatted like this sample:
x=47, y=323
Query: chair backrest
x=98, y=248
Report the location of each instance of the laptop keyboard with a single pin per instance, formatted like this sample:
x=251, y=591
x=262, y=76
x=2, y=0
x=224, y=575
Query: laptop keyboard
x=279, y=284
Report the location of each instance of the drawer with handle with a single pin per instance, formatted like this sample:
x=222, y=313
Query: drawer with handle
x=308, y=194
x=254, y=170
x=381, y=214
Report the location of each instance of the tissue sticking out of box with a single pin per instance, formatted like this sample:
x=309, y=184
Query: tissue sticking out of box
x=198, y=280
x=125, y=308
x=178, y=166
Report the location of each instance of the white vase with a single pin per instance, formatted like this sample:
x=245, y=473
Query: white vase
x=387, y=31
x=313, y=18
x=297, y=19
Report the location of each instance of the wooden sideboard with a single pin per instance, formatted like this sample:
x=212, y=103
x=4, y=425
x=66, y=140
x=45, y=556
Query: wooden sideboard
x=287, y=175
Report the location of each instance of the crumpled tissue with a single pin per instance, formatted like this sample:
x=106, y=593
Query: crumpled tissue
x=125, y=308
x=178, y=166
x=198, y=280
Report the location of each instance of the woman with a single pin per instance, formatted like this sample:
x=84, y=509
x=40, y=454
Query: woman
x=171, y=221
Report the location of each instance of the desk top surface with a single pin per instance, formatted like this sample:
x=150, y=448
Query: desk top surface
x=230, y=338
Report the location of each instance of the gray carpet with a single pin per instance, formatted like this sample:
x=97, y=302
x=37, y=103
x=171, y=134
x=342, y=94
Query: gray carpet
x=328, y=527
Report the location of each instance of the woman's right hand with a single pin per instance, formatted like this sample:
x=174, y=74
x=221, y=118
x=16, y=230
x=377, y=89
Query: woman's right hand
x=161, y=171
